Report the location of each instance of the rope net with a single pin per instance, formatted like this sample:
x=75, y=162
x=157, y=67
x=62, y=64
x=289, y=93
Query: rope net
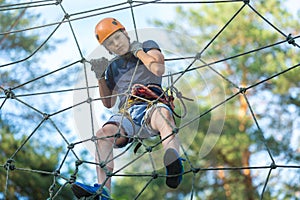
x=190, y=77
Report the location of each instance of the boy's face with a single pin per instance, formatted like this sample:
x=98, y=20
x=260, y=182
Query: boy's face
x=117, y=43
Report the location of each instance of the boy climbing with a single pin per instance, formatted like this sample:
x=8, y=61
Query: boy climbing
x=139, y=66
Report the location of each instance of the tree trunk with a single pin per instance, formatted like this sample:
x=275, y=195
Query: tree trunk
x=221, y=175
x=249, y=190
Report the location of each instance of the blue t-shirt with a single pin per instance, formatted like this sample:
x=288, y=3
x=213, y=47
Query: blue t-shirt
x=122, y=71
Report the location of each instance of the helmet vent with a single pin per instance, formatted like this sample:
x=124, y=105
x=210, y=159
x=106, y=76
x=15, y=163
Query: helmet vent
x=115, y=22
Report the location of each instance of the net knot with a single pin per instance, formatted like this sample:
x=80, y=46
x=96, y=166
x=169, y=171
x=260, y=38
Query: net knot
x=71, y=146
x=102, y=164
x=46, y=116
x=243, y=90
x=83, y=60
x=72, y=179
x=198, y=56
x=67, y=16
x=58, y=2
x=9, y=165
x=154, y=175
x=290, y=39
x=273, y=166
x=109, y=174
x=94, y=138
x=175, y=130
x=89, y=100
x=149, y=149
x=78, y=162
x=56, y=173
x=117, y=135
x=195, y=170
x=9, y=93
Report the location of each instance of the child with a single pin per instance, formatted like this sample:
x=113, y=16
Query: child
x=141, y=66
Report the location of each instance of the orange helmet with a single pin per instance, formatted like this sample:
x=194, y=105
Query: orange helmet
x=106, y=27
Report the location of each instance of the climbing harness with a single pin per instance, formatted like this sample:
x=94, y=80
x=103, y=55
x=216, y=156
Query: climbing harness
x=151, y=93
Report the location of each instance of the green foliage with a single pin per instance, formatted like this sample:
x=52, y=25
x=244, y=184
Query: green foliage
x=241, y=141
x=24, y=181
x=37, y=158
x=24, y=42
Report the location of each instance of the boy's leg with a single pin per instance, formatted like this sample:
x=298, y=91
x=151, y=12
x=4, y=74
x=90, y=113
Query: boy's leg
x=162, y=121
x=105, y=146
x=114, y=134
x=108, y=138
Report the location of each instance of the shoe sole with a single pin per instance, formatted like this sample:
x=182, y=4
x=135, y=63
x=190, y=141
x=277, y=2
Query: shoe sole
x=174, y=167
x=80, y=191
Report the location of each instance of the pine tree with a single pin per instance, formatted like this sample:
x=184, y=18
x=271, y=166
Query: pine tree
x=26, y=163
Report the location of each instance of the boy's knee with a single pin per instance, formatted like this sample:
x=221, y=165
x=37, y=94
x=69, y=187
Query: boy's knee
x=112, y=134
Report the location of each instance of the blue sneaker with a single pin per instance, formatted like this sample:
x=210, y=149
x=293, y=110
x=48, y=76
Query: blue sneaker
x=174, y=168
x=81, y=190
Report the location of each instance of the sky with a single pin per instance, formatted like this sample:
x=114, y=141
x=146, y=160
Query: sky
x=84, y=29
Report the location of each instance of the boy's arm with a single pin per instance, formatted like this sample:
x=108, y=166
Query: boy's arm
x=99, y=66
x=106, y=94
x=153, y=59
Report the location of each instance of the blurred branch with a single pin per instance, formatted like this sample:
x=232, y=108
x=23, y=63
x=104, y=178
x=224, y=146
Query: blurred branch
x=13, y=25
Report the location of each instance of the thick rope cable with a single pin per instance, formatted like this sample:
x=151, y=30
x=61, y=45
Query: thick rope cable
x=36, y=50
x=12, y=94
x=31, y=4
